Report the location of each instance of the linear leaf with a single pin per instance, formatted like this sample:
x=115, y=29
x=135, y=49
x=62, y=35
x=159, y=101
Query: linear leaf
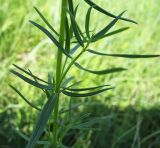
x=108, y=27
x=92, y=121
x=74, y=49
x=85, y=89
x=87, y=22
x=47, y=23
x=98, y=8
x=20, y=94
x=30, y=74
x=74, y=84
x=67, y=42
x=71, y=29
x=123, y=55
x=64, y=84
x=42, y=121
x=74, y=24
x=111, y=33
x=101, y=72
x=31, y=82
x=51, y=37
x=68, y=93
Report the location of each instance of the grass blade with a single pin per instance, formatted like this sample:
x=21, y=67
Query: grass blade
x=98, y=8
x=20, y=94
x=87, y=22
x=108, y=27
x=42, y=121
x=31, y=82
x=101, y=72
x=47, y=23
x=85, y=89
x=51, y=37
x=123, y=55
x=68, y=93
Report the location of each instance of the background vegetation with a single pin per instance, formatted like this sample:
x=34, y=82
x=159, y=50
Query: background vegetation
x=131, y=109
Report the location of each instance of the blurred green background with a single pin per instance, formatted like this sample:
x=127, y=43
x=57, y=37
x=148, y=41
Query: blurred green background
x=135, y=100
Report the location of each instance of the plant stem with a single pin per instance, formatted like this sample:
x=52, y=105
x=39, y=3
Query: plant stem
x=58, y=70
x=73, y=61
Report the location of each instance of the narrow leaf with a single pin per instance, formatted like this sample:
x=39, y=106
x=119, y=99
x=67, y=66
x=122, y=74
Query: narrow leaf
x=74, y=84
x=87, y=22
x=51, y=37
x=85, y=89
x=18, y=92
x=29, y=81
x=98, y=8
x=101, y=72
x=108, y=27
x=111, y=33
x=68, y=93
x=47, y=23
x=74, y=24
x=74, y=49
x=64, y=84
x=123, y=55
x=29, y=73
x=42, y=121
x=71, y=29
x=67, y=42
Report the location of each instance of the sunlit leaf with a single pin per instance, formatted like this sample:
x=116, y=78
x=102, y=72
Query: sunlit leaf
x=47, y=23
x=101, y=72
x=51, y=37
x=42, y=120
x=123, y=55
x=98, y=8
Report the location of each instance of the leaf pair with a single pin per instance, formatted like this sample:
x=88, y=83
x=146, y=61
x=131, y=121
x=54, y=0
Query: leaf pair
x=69, y=91
x=107, y=28
x=31, y=82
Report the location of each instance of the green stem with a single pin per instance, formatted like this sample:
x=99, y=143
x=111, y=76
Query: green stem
x=58, y=69
x=73, y=61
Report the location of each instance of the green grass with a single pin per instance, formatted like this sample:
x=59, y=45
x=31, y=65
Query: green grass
x=137, y=88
